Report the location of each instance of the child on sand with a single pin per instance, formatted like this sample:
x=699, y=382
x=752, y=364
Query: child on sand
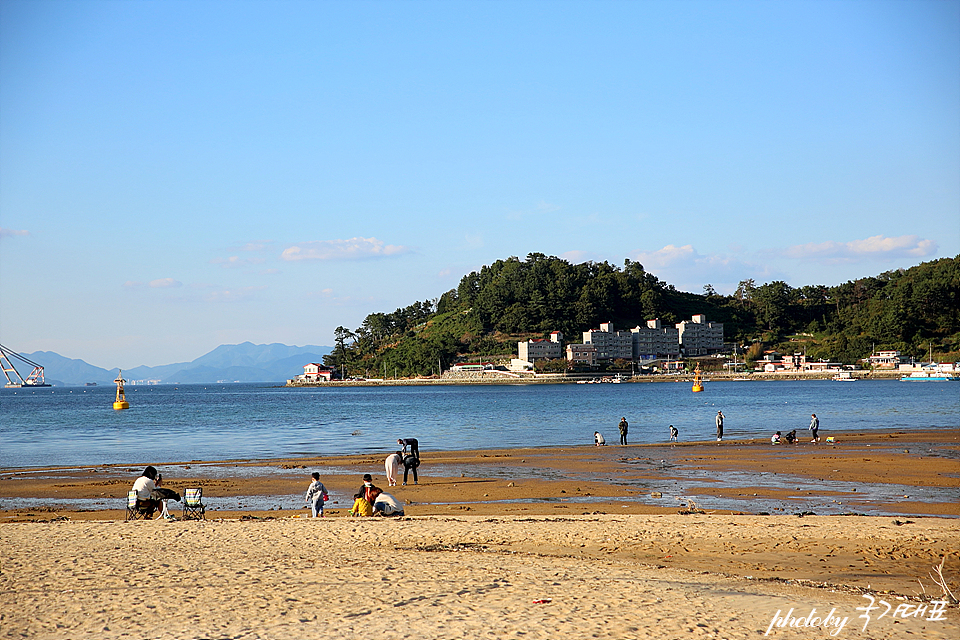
x=361, y=508
x=316, y=495
x=598, y=439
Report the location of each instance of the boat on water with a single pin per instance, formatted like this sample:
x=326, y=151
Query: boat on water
x=930, y=376
x=844, y=376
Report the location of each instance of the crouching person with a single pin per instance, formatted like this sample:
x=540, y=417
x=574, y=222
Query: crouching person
x=387, y=505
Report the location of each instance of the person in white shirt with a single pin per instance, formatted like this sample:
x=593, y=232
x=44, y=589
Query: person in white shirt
x=392, y=466
x=387, y=505
x=598, y=439
x=150, y=496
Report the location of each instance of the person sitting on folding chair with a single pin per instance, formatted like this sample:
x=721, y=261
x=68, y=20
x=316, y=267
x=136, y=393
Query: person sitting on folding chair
x=150, y=497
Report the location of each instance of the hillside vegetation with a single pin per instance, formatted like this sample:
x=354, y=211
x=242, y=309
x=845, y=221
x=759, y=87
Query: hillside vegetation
x=911, y=310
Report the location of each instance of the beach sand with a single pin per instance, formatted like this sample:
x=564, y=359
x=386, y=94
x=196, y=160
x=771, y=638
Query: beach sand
x=480, y=550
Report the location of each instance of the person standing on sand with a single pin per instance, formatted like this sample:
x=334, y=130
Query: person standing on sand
x=392, y=466
x=719, y=426
x=624, y=427
x=410, y=462
x=814, y=427
x=598, y=439
x=674, y=433
x=316, y=495
x=412, y=443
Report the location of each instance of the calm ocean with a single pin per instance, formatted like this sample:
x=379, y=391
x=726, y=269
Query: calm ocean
x=77, y=426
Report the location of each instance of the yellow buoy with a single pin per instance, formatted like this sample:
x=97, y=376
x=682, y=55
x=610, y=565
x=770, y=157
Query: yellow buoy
x=697, y=380
x=121, y=401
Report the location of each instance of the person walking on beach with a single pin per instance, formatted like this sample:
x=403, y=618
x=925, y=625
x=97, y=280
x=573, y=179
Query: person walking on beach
x=598, y=439
x=316, y=495
x=409, y=442
x=674, y=433
x=410, y=462
x=814, y=427
x=392, y=466
x=719, y=426
x=624, y=427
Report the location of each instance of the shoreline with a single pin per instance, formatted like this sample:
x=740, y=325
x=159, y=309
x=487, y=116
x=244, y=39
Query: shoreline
x=885, y=473
x=497, y=546
x=560, y=378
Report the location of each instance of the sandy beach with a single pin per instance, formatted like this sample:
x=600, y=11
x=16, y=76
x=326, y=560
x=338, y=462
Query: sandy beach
x=512, y=543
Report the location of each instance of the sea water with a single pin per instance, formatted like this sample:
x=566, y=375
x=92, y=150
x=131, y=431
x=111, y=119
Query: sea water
x=64, y=426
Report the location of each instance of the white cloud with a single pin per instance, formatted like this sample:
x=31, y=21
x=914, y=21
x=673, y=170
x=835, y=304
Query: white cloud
x=132, y=284
x=689, y=270
x=165, y=283
x=577, y=257
x=352, y=249
x=330, y=299
x=236, y=261
x=232, y=295
x=669, y=255
x=474, y=240
x=9, y=233
x=880, y=247
x=259, y=245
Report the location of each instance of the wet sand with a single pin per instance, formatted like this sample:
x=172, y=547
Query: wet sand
x=860, y=474
x=480, y=543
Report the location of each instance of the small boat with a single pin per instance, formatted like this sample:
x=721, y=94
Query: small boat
x=844, y=376
x=930, y=376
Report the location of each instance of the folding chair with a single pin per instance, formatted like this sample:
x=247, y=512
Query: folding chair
x=193, y=507
x=137, y=510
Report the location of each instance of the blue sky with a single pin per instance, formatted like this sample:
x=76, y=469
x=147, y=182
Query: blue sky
x=179, y=175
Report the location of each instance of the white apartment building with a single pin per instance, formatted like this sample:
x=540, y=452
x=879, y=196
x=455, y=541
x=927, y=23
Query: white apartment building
x=531, y=350
x=655, y=341
x=610, y=344
x=699, y=337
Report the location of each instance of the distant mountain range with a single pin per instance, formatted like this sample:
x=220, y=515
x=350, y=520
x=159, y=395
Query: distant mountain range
x=245, y=362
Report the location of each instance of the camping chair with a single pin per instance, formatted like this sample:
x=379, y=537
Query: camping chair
x=193, y=507
x=137, y=510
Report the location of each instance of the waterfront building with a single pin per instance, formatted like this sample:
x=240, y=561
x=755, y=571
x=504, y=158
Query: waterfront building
x=582, y=354
x=531, y=350
x=610, y=344
x=655, y=341
x=699, y=337
x=316, y=372
x=887, y=359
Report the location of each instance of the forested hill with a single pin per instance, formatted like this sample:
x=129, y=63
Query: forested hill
x=910, y=310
